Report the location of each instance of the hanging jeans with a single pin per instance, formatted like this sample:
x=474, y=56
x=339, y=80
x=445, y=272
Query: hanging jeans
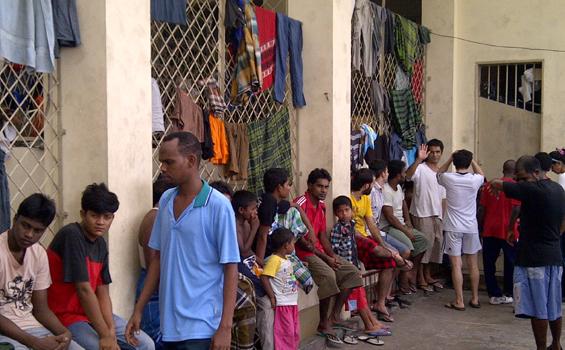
x=491, y=250
x=289, y=39
x=4, y=195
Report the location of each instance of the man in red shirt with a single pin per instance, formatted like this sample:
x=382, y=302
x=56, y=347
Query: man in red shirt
x=495, y=211
x=334, y=275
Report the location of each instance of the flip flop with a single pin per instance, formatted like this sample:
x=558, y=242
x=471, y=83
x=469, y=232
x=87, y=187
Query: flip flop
x=342, y=326
x=381, y=316
x=380, y=333
x=475, y=306
x=454, y=307
x=332, y=338
x=348, y=339
x=428, y=290
x=436, y=285
x=371, y=340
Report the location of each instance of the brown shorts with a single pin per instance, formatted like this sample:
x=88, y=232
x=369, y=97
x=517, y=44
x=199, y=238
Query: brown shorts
x=432, y=228
x=329, y=281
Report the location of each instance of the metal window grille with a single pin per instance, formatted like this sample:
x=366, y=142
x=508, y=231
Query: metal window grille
x=197, y=51
x=362, y=109
x=29, y=112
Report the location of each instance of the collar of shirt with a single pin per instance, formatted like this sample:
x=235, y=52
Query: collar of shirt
x=317, y=215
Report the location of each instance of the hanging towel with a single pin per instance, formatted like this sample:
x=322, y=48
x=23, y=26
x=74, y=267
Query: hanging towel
x=269, y=146
x=27, y=34
x=220, y=140
x=170, y=11
x=158, y=123
x=238, y=150
x=370, y=136
x=187, y=116
x=4, y=195
x=407, y=40
x=406, y=117
x=266, y=23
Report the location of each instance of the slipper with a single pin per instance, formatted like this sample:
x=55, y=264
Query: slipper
x=475, y=306
x=426, y=288
x=371, y=340
x=436, y=285
x=332, y=338
x=380, y=333
x=401, y=301
x=342, y=326
x=381, y=316
x=348, y=339
x=454, y=307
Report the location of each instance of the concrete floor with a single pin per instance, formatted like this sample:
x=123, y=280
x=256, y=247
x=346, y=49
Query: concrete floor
x=427, y=324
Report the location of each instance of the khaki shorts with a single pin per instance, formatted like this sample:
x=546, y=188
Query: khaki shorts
x=432, y=228
x=331, y=282
x=417, y=247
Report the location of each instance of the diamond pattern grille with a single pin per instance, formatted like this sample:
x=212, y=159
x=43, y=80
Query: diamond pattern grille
x=29, y=115
x=196, y=52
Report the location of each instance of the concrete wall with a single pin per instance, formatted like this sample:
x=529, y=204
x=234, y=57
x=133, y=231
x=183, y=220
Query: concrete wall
x=504, y=22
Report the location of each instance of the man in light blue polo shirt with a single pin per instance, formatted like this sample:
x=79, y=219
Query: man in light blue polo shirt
x=196, y=240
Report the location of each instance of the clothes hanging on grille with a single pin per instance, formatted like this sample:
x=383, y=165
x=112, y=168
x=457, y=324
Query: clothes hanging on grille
x=234, y=22
x=216, y=103
x=238, y=150
x=170, y=11
x=267, y=25
x=417, y=81
x=27, y=34
x=379, y=19
x=389, y=32
x=8, y=134
x=369, y=137
x=4, y=195
x=65, y=18
x=247, y=73
x=405, y=116
x=380, y=151
x=289, y=44
x=220, y=141
x=187, y=116
x=158, y=123
x=362, y=37
x=401, y=80
x=356, y=149
x=424, y=35
x=208, y=144
x=269, y=146
x=379, y=97
x=406, y=42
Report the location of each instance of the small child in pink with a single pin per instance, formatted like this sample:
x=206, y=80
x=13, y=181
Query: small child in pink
x=280, y=285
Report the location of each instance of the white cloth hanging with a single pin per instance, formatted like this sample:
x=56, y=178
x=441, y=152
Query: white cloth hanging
x=158, y=123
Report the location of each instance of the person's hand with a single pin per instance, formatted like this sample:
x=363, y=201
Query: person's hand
x=333, y=262
x=64, y=340
x=511, y=238
x=423, y=152
x=273, y=301
x=108, y=342
x=221, y=339
x=132, y=329
x=409, y=231
x=47, y=343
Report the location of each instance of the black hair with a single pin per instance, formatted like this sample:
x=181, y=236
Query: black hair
x=187, y=143
x=557, y=156
x=159, y=187
x=38, y=207
x=529, y=164
x=279, y=238
x=242, y=199
x=362, y=177
x=395, y=167
x=462, y=159
x=544, y=160
x=274, y=177
x=341, y=200
x=435, y=143
x=222, y=187
x=509, y=166
x=317, y=174
x=97, y=198
x=378, y=166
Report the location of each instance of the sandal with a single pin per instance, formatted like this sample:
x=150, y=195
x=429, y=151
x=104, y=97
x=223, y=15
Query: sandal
x=454, y=307
x=426, y=288
x=385, y=317
x=332, y=338
x=380, y=333
x=436, y=285
x=475, y=306
x=371, y=340
x=348, y=339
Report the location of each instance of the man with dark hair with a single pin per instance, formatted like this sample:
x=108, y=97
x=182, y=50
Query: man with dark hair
x=545, y=163
x=223, y=187
x=78, y=259
x=395, y=221
x=498, y=233
x=26, y=321
x=558, y=165
x=334, y=276
x=461, y=236
x=197, y=281
x=426, y=209
x=539, y=264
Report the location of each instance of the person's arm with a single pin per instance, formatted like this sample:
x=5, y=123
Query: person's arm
x=222, y=338
x=511, y=237
x=145, y=234
x=325, y=241
x=476, y=168
x=394, y=222
x=445, y=165
x=47, y=318
x=373, y=229
x=11, y=330
x=253, y=233
x=311, y=236
x=422, y=155
x=406, y=214
x=261, y=246
x=93, y=310
x=103, y=295
x=265, y=281
x=481, y=217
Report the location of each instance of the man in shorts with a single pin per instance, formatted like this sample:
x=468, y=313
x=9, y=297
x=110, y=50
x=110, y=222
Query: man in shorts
x=461, y=236
x=539, y=265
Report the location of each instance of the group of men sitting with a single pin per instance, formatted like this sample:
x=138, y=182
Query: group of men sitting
x=200, y=237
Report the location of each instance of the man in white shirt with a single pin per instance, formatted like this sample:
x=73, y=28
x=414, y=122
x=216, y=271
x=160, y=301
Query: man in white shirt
x=426, y=209
x=461, y=228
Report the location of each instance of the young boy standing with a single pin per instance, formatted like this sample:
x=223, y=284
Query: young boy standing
x=280, y=284
x=78, y=259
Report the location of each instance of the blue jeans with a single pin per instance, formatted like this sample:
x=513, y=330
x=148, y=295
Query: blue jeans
x=39, y=332
x=289, y=39
x=86, y=336
x=4, y=195
x=396, y=244
x=196, y=344
x=150, y=319
x=491, y=250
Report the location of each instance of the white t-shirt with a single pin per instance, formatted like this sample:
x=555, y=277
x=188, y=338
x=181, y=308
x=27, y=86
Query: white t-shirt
x=392, y=199
x=17, y=282
x=428, y=193
x=282, y=280
x=561, y=180
x=461, y=193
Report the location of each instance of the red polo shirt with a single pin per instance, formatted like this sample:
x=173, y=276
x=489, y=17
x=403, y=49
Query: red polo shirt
x=317, y=217
x=497, y=211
